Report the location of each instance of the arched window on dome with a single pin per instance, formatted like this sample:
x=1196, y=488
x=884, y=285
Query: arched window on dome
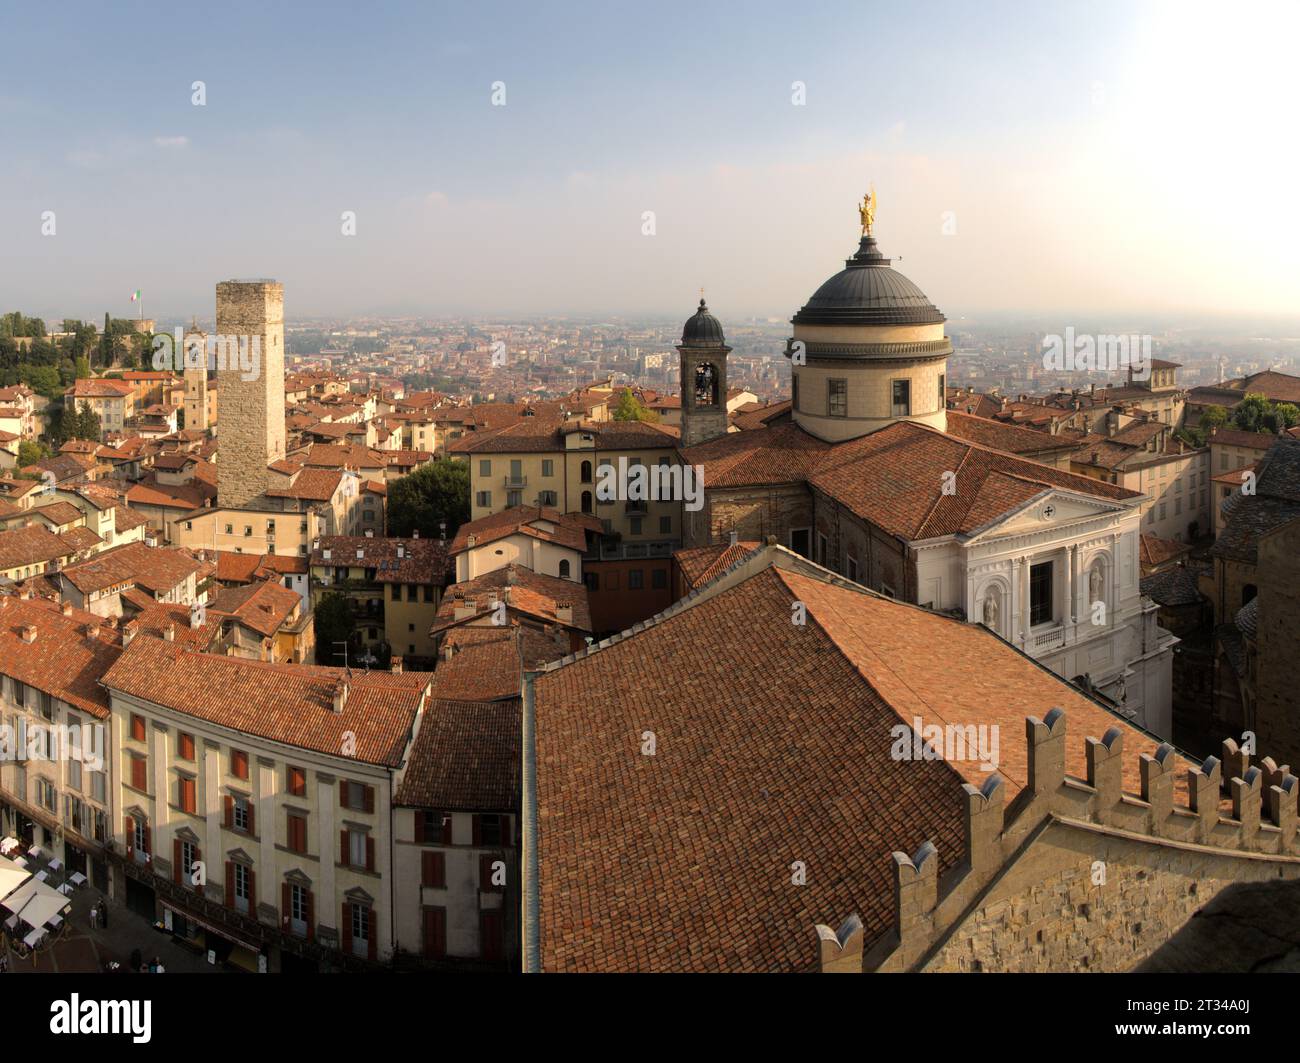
x=706, y=384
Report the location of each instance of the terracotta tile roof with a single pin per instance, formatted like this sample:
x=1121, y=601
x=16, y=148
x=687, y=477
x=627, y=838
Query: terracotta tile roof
x=330, y=456
x=760, y=417
x=99, y=389
x=485, y=664
x=153, y=618
x=243, y=568
x=293, y=704
x=1233, y=477
x=317, y=485
x=1005, y=437
x=782, y=454
x=421, y=560
x=1234, y=437
x=524, y=591
x=542, y=435
x=57, y=513
x=81, y=539
x=701, y=563
x=465, y=758
x=64, y=660
x=525, y=520
x=1154, y=551
x=155, y=568
x=35, y=545
x=170, y=496
x=773, y=745
x=125, y=519
x=262, y=606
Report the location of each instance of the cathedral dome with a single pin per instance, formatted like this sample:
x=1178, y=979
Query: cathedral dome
x=868, y=292
x=702, y=329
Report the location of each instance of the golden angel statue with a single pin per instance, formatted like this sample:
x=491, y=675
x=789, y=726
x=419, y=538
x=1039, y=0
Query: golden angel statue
x=867, y=211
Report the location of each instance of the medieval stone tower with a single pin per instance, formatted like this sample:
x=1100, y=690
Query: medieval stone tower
x=194, y=346
x=251, y=396
x=703, y=353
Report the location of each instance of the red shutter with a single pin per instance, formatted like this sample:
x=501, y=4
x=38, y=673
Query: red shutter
x=343, y=848
x=286, y=912
x=478, y=833
x=433, y=870
x=374, y=934
x=130, y=836
x=435, y=932
x=138, y=774
x=229, y=803
x=252, y=893
x=370, y=798
x=230, y=883
x=148, y=839
x=343, y=793
x=309, y=913
x=419, y=825
x=370, y=853
x=176, y=861
x=346, y=928
x=251, y=825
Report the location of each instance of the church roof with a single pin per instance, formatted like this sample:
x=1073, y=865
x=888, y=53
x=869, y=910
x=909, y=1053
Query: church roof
x=868, y=292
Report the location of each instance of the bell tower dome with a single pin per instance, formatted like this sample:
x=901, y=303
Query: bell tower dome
x=703, y=352
x=868, y=349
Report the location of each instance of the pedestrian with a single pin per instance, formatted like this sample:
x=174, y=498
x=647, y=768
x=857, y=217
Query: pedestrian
x=94, y=917
x=158, y=966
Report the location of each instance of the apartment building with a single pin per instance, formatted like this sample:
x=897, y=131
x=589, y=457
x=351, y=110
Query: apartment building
x=252, y=803
x=112, y=401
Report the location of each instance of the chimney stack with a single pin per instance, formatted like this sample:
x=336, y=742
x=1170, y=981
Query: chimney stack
x=735, y=537
x=129, y=631
x=92, y=629
x=395, y=665
x=29, y=632
x=564, y=612
x=66, y=608
x=340, y=695
x=169, y=633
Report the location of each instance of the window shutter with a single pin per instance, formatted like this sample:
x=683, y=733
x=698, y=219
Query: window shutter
x=176, y=861
x=374, y=934
x=370, y=853
x=433, y=870
x=230, y=883
x=369, y=791
x=251, y=826
x=343, y=793
x=229, y=803
x=130, y=836
x=343, y=848
x=148, y=839
x=309, y=913
x=419, y=825
x=286, y=910
x=478, y=830
x=346, y=928
x=252, y=893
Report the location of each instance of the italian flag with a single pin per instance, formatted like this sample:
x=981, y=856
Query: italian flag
x=135, y=296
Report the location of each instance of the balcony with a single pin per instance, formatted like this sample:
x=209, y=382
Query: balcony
x=511, y=480
x=1045, y=641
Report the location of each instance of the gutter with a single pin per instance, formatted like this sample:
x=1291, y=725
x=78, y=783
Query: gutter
x=532, y=950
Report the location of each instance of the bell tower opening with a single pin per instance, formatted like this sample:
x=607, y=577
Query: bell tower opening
x=703, y=352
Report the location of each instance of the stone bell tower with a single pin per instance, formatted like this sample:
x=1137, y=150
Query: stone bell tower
x=703, y=353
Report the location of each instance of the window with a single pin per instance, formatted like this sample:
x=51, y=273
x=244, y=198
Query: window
x=360, y=929
x=483, y=499
x=548, y=467
x=635, y=523
x=46, y=796
x=139, y=773
x=901, y=398
x=239, y=764
x=837, y=397
x=433, y=869
x=564, y=568
x=851, y=568
x=943, y=393
x=514, y=498
x=241, y=815
x=356, y=796
x=137, y=728
x=99, y=786
x=185, y=799
x=658, y=579
x=243, y=887
x=592, y=580
x=189, y=853
x=1162, y=510
x=635, y=579
x=412, y=592
x=297, y=831
x=1151, y=515
x=358, y=848
x=185, y=746
x=1040, y=593
x=665, y=525
x=140, y=835
x=74, y=773
x=547, y=498
x=489, y=830
x=586, y=474
x=484, y=467
x=296, y=782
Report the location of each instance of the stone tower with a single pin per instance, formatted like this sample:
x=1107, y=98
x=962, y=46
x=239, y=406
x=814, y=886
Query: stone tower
x=195, y=350
x=703, y=353
x=868, y=349
x=250, y=386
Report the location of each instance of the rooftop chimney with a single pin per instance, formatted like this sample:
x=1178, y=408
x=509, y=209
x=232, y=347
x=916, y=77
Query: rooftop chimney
x=66, y=608
x=92, y=629
x=395, y=665
x=464, y=608
x=29, y=632
x=471, y=540
x=340, y=695
x=169, y=633
x=735, y=537
x=564, y=612
x=129, y=630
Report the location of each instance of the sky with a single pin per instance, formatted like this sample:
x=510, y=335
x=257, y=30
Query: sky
x=1113, y=160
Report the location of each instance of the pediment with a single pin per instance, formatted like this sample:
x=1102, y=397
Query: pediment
x=1048, y=510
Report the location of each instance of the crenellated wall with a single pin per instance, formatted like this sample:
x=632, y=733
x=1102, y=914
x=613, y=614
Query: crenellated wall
x=1076, y=874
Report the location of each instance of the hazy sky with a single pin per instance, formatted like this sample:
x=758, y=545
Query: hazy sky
x=1097, y=158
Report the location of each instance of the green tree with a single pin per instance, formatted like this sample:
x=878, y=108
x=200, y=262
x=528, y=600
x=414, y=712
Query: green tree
x=332, y=622
x=630, y=408
x=30, y=451
x=1282, y=416
x=437, y=491
x=1249, y=414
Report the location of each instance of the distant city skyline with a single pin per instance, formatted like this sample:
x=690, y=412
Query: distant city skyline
x=1113, y=159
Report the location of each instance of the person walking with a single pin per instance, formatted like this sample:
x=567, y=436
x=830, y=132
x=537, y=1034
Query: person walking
x=94, y=917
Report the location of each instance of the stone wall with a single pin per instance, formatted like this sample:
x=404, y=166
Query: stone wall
x=251, y=430
x=753, y=513
x=1278, y=642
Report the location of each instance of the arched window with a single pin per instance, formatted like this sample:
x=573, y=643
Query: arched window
x=706, y=384
x=564, y=569
x=586, y=474
x=586, y=501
